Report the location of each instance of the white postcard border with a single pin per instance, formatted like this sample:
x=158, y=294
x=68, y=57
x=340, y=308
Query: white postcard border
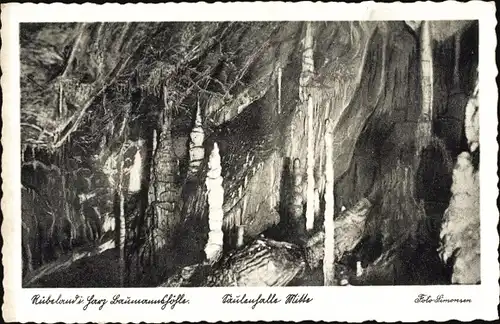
x=354, y=304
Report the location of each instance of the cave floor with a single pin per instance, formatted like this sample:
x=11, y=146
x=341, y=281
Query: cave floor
x=100, y=271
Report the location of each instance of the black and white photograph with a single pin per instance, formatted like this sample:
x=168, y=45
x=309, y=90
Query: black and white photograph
x=259, y=161
x=249, y=153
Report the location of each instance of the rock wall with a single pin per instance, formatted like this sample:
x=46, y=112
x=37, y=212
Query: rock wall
x=358, y=77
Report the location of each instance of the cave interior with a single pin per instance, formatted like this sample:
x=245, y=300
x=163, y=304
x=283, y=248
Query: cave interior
x=129, y=129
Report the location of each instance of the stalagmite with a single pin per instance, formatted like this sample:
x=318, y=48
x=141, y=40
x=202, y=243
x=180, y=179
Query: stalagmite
x=310, y=166
x=329, y=258
x=196, y=150
x=359, y=269
x=427, y=80
x=215, y=193
x=241, y=233
x=460, y=231
x=136, y=170
x=316, y=202
x=164, y=171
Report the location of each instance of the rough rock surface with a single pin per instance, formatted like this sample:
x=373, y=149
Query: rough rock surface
x=460, y=230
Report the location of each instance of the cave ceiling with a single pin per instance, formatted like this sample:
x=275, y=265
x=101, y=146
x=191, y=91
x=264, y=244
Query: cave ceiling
x=215, y=60
x=228, y=68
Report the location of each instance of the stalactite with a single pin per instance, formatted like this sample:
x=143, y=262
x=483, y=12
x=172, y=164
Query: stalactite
x=62, y=113
x=280, y=74
x=456, y=66
x=215, y=196
x=310, y=165
x=322, y=157
x=271, y=184
x=196, y=150
x=241, y=220
x=122, y=224
x=329, y=258
x=424, y=130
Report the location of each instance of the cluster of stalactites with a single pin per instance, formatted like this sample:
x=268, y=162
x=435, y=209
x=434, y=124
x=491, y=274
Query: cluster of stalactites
x=196, y=150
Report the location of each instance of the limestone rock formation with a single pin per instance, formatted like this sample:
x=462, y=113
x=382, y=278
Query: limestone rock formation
x=196, y=150
x=111, y=155
x=460, y=229
x=460, y=232
x=215, y=196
